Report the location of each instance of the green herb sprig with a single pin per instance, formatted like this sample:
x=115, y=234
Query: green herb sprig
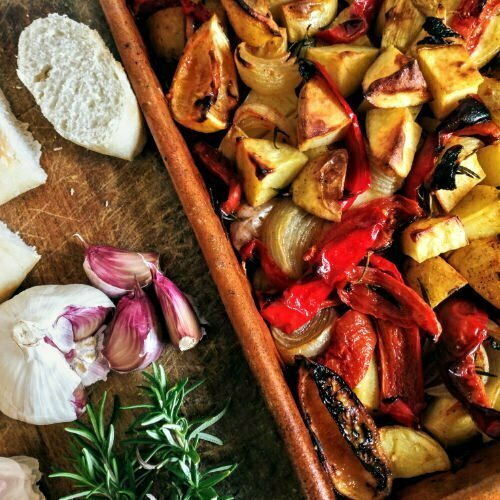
x=163, y=446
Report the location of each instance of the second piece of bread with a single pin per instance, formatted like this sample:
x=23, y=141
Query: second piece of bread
x=81, y=89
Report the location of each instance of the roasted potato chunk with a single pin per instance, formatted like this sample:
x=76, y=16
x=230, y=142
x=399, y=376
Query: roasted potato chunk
x=252, y=21
x=304, y=18
x=448, y=198
x=346, y=64
x=322, y=119
x=489, y=159
x=204, y=89
x=489, y=92
x=450, y=74
x=167, y=33
x=393, y=138
x=395, y=81
x=368, y=389
x=266, y=167
x=434, y=279
x=479, y=264
x=428, y=238
x=412, y=453
x=479, y=212
x=402, y=23
x=319, y=186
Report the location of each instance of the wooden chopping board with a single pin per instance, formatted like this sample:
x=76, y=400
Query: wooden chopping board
x=130, y=204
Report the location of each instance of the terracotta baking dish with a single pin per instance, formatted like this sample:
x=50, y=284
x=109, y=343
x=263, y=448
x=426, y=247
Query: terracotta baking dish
x=481, y=477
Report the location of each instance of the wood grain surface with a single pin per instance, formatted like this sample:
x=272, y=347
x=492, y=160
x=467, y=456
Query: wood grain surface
x=131, y=204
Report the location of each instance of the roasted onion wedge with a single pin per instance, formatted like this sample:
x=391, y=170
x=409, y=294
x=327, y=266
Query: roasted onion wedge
x=288, y=233
x=269, y=70
x=309, y=340
x=252, y=21
x=204, y=89
x=345, y=435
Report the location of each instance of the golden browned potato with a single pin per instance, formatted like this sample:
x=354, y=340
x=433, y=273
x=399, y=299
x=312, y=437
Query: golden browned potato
x=322, y=119
x=489, y=92
x=304, y=18
x=346, y=64
x=448, y=198
x=479, y=264
x=412, y=453
x=403, y=22
x=479, y=212
x=450, y=74
x=426, y=238
x=167, y=32
x=393, y=138
x=395, y=81
x=266, y=167
x=489, y=159
x=434, y=279
x=228, y=144
x=368, y=389
x=204, y=89
x=252, y=21
x=319, y=186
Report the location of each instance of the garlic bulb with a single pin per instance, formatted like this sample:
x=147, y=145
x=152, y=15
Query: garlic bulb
x=18, y=478
x=116, y=270
x=38, y=384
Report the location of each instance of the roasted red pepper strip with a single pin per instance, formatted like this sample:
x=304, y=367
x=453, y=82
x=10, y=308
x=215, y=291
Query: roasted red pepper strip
x=358, y=176
x=471, y=19
x=147, y=7
x=273, y=272
x=297, y=305
x=403, y=307
x=464, y=330
x=385, y=265
x=401, y=373
x=361, y=14
x=488, y=130
x=351, y=348
x=365, y=228
x=218, y=166
x=199, y=12
x=423, y=167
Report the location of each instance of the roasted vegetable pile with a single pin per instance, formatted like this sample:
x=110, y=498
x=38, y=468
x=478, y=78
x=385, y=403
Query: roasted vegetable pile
x=357, y=162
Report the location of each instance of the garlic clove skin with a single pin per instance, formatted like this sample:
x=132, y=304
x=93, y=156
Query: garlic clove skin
x=19, y=477
x=82, y=322
x=87, y=360
x=133, y=340
x=180, y=316
x=38, y=384
x=115, y=270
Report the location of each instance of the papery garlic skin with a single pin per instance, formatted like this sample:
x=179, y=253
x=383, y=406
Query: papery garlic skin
x=180, y=316
x=38, y=385
x=19, y=477
x=115, y=270
x=133, y=340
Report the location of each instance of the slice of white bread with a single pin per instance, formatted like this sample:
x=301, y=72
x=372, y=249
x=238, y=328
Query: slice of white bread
x=20, y=168
x=81, y=89
x=17, y=259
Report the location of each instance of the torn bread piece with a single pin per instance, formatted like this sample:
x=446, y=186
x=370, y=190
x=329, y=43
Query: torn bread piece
x=20, y=153
x=80, y=87
x=17, y=259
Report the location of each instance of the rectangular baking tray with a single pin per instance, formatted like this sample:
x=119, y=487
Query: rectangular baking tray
x=480, y=479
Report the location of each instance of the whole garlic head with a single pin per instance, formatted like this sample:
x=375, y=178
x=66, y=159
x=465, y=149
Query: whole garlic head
x=38, y=384
x=18, y=478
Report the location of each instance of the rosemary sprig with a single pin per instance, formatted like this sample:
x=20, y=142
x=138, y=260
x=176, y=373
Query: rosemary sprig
x=164, y=445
